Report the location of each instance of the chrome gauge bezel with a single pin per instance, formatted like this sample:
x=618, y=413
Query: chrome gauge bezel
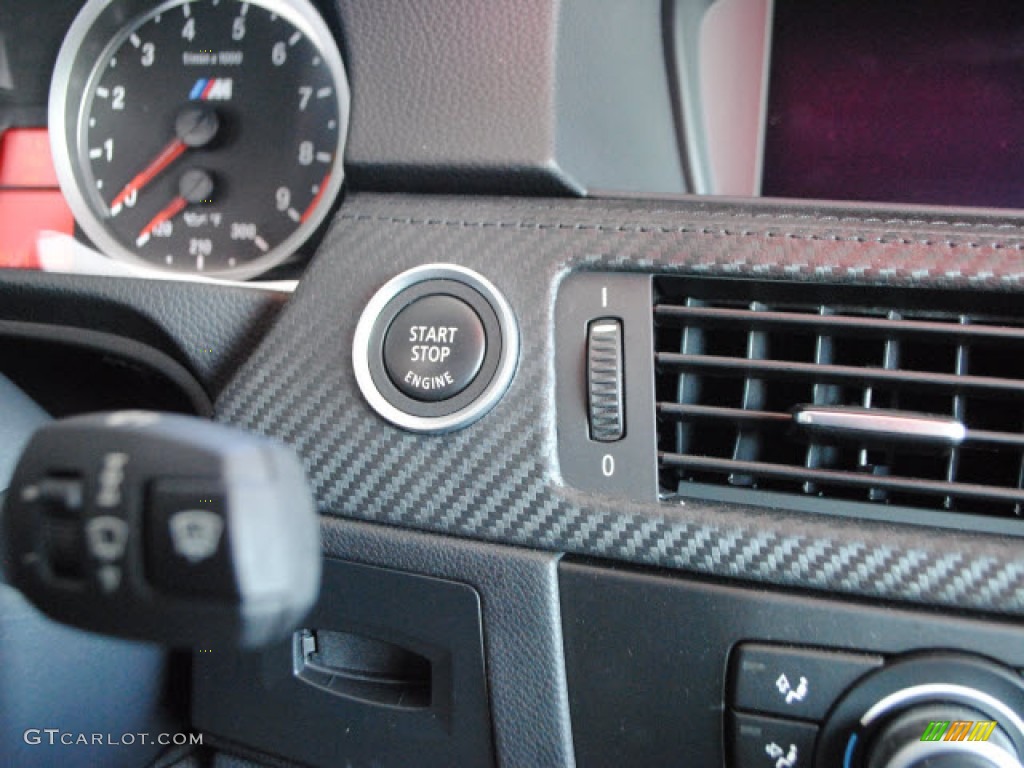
x=103, y=24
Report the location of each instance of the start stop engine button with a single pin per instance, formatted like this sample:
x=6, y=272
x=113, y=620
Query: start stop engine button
x=434, y=348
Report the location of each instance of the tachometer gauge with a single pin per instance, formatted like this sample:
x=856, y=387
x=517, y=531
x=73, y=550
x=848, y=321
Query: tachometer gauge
x=199, y=135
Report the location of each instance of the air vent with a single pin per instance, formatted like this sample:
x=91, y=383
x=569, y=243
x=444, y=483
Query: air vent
x=912, y=399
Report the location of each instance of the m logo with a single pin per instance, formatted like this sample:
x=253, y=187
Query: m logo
x=212, y=89
x=958, y=730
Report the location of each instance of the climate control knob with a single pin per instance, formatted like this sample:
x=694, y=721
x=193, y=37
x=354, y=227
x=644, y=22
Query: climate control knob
x=939, y=710
x=942, y=736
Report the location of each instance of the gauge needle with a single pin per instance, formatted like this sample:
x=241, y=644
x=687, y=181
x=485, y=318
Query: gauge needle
x=174, y=149
x=195, y=126
x=316, y=200
x=196, y=185
x=168, y=212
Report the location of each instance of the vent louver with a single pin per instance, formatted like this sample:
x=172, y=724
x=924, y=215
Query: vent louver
x=747, y=372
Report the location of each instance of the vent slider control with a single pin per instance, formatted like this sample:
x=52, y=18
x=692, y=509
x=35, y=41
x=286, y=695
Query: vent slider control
x=604, y=380
x=876, y=425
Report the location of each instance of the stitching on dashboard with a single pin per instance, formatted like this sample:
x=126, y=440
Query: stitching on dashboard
x=980, y=225
x=648, y=229
x=787, y=217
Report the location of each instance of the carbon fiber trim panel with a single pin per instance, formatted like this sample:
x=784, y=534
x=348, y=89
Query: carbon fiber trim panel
x=499, y=479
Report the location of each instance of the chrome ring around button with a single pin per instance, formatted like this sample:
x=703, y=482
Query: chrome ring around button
x=368, y=324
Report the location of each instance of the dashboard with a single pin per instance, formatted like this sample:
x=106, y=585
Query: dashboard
x=654, y=367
